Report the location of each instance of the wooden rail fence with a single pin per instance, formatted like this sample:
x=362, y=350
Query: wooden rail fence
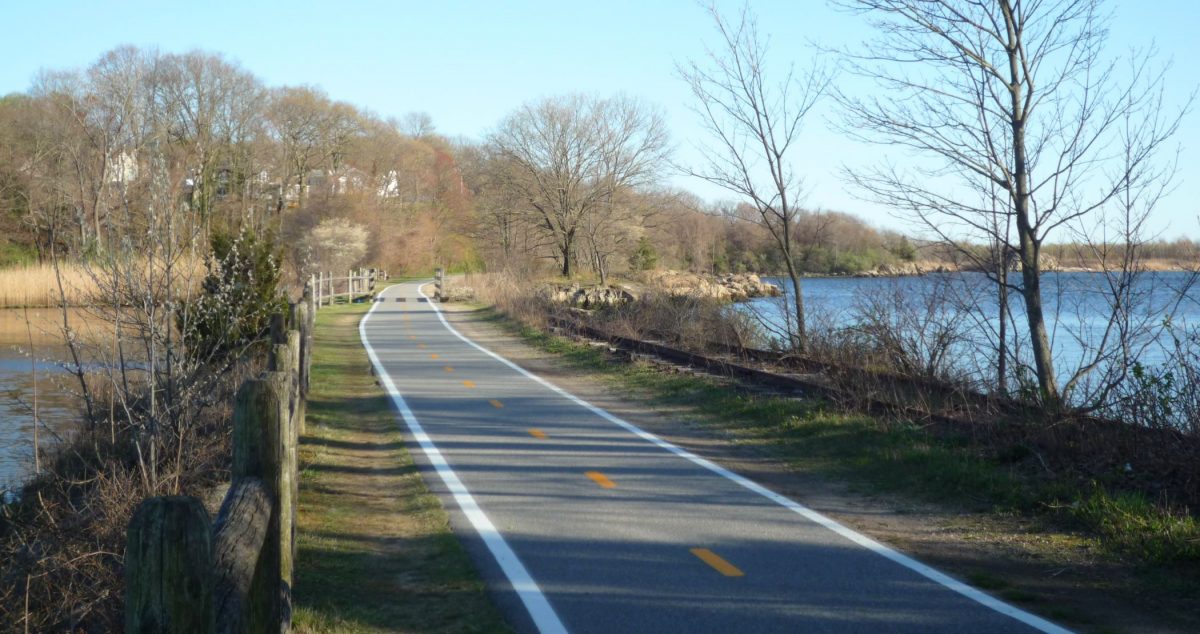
x=355, y=284
x=183, y=574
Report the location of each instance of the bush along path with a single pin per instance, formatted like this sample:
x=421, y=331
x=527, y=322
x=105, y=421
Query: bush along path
x=376, y=548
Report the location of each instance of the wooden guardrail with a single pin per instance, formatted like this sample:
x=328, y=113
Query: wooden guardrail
x=183, y=574
x=355, y=284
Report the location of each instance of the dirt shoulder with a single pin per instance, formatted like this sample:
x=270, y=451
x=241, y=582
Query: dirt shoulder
x=1049, y=571
x=375, y=549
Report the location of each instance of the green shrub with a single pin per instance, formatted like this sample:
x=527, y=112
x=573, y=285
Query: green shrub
x=644, y=257
x=239, y=295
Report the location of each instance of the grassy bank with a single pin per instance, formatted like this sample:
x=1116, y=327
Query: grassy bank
x=906, y=458
x=376, y=553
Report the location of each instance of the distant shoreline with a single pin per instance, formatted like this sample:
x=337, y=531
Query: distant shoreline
x=929, y=267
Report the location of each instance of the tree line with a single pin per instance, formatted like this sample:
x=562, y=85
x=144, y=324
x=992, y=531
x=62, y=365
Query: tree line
x=85, y=153
x=1021, y=128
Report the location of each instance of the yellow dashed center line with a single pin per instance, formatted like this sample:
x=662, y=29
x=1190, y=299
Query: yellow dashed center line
x=448, y=369
x=469, y=383
x=601, y=479
x=496, y=404
x=433, y=356
x=719, y=564
x=537, y=433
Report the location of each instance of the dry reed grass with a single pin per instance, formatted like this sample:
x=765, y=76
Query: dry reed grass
x=36, y=286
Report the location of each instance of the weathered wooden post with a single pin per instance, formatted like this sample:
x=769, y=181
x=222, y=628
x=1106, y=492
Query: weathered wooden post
x=439, y=276
x=261, y=443
x=295, y=368
x=169, y=568
x=239, y=534
x=304, y=324
x=278, y=328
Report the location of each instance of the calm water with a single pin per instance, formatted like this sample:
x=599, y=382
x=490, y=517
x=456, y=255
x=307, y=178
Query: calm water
x=1077, y=310
x=22, y=368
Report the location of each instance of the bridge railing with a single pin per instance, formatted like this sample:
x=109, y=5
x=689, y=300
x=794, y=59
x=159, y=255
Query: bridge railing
x=183, y=574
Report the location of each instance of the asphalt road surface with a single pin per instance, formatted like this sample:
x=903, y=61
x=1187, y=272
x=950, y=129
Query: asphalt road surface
x=581, y=522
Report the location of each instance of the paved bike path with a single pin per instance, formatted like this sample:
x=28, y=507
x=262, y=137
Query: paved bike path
x=582, y=522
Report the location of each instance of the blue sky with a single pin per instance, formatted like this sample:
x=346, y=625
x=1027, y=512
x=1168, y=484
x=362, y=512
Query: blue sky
x=469, y=63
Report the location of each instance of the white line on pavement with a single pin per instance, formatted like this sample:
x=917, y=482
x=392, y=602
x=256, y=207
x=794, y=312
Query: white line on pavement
x=928, y=572
x=544, y=617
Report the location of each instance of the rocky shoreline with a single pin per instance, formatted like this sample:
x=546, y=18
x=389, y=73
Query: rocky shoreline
x=737, y=287
x=1049, y=265
x=732, y=287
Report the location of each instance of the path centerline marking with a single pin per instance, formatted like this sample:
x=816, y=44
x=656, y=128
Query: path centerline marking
x=448, y=369
x=851, y=535
x=468, y=384
x=601, y=479
x=497, y=404
x=717, y=562
x=537, y=433
x=545, y=619
x=433, y=356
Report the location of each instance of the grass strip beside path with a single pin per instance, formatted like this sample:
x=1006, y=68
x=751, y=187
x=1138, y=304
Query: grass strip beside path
x=376, y=553
x=1155, y=551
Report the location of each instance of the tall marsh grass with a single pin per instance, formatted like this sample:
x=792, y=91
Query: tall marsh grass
x=35, y=285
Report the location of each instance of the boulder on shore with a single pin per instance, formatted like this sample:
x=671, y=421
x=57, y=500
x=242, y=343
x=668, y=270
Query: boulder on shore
x=587, y=297
x=457, y=293
x=732, y=287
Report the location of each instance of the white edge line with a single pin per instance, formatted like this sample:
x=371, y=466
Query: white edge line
x=539, y=608
x=928, y=572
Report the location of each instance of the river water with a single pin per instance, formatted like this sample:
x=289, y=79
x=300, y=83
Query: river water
x=33, y=358
x=1077, y=307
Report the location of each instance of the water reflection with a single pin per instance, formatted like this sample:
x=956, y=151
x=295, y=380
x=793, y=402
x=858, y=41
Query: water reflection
x=33, y=358
x=1076, y=305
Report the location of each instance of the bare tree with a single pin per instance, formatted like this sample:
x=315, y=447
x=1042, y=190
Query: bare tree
x=417, y=125
x=1009, y=95
x=571, y=154
x=311, y=131
x=210, y=110
x=754, y=126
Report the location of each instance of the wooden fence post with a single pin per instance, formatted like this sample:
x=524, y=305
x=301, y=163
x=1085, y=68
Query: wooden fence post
x=304, y=323
x=262, y=448
x=169, y=568
x=238, y=535
x=278, y=328
x=295, y=352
